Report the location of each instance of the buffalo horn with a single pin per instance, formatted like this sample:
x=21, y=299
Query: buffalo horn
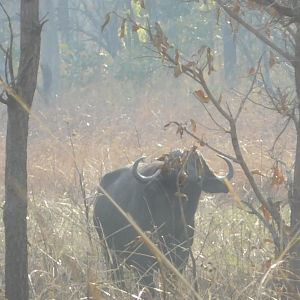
x=139, y=176
x=230, y=172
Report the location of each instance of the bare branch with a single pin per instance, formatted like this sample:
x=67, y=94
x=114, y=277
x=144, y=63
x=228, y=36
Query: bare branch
x=254, y=102
x=249, y=92
x=283, y=11
x=3, y=101
x=9, y=54
x=259, y=35
x=268, y=225
x=236, y=146
x=213, y=119
x=280, y=134
x=3, y=85
x=200, y=140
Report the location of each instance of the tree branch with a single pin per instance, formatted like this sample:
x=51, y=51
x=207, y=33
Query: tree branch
x=3, y=101
x=283, y=11
x=259, y=35
x=9, y=54
x=3, y=85
x=182, y=127
x=249, y=92
x=266, y=224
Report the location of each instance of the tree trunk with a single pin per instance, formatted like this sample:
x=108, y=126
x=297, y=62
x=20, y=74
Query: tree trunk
x=295, y=199
x=15, y=207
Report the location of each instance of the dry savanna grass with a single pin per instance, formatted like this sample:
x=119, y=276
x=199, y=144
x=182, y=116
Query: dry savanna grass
x=90, y=131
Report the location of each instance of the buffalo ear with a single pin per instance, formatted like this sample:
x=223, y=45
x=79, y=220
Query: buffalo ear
x=214, y=185
x=210, y=182
x=205, y=170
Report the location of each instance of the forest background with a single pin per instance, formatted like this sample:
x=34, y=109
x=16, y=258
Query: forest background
x=103, y=99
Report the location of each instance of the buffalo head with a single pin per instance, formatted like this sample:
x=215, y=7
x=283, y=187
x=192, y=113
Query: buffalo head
x=187, y=167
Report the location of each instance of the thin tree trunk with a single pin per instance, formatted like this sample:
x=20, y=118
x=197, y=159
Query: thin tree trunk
x=15, y=207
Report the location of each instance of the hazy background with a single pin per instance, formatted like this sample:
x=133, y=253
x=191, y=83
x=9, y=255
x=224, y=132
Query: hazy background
x=110, y=98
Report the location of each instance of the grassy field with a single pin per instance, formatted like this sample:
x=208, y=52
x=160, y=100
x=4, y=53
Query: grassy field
x=101, y=127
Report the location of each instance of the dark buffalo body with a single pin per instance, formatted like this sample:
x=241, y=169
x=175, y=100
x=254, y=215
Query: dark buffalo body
x=162, y=197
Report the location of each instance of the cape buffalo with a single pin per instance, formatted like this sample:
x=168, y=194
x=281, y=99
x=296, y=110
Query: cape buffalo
x=162, y=198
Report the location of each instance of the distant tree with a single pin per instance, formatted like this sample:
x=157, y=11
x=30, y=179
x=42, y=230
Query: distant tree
x=50, y=57
x=230, y=55
x=17, y=94
x=63, y=15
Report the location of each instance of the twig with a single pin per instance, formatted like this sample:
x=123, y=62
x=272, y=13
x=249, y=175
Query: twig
x=280, y=134
x=4, y=86
x=200, y=140
x=249, y=92
x=9, y=51
x=259, y=35
x=265, y=222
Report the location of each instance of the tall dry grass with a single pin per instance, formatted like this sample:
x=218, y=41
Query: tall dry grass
x=110, y=124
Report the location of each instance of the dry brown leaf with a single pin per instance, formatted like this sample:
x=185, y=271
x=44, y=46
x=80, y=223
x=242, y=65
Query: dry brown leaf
x=237, y=7
x=268, y=241
x=252, y=71
x=266, y=213
x=201, y=96
x=194, y=125
x=277, y=178
x=257, y=172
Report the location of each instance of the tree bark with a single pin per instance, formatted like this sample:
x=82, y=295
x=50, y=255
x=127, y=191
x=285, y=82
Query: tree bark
x=19, y=104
